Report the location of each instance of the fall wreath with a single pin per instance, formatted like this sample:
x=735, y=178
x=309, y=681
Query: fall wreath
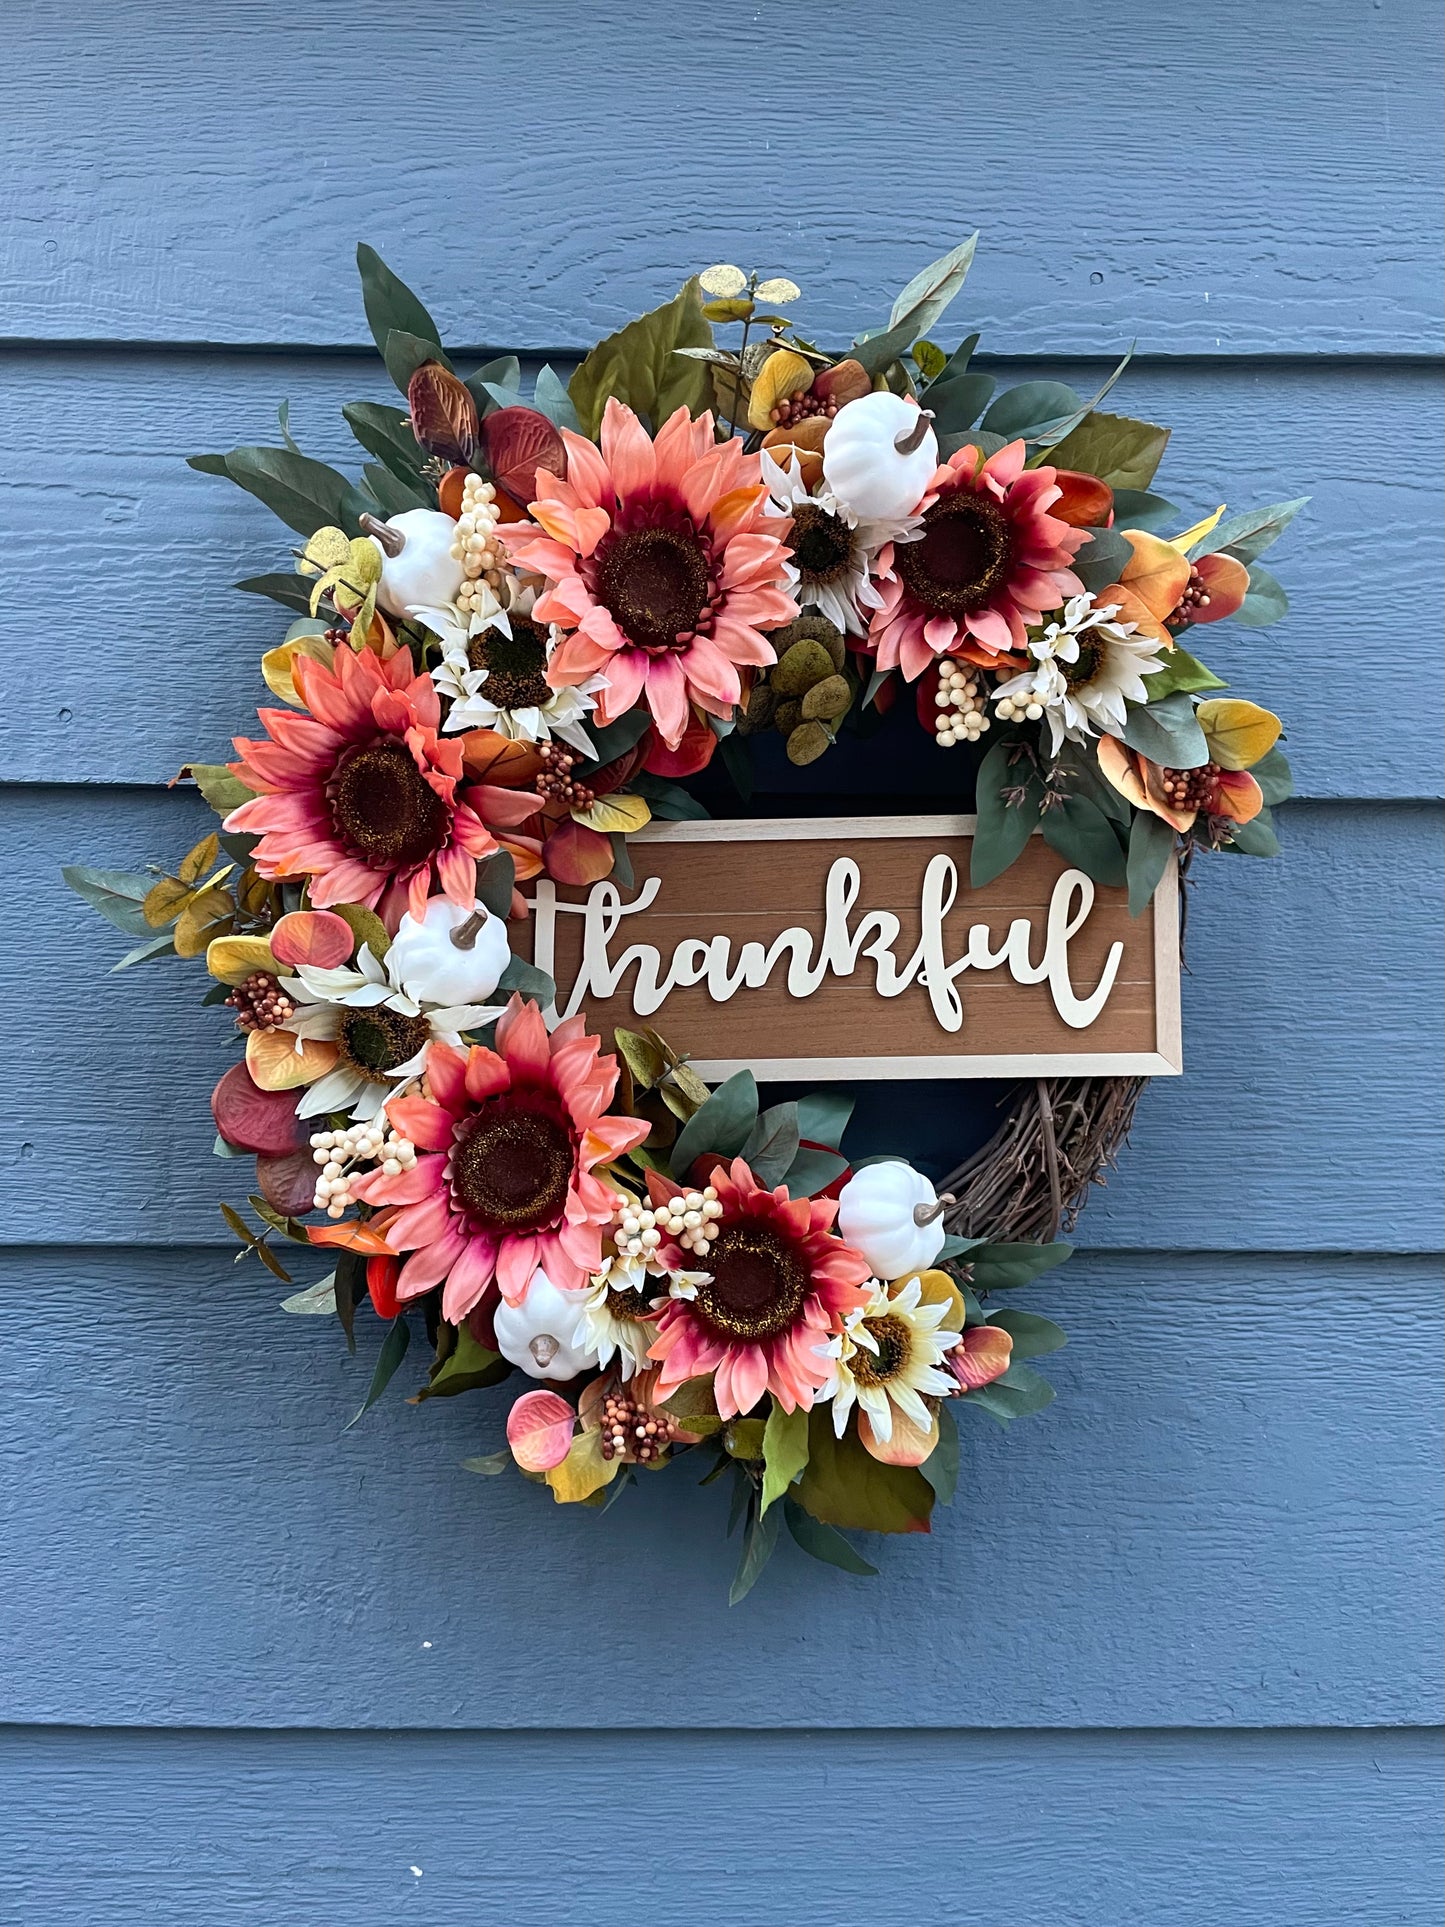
x=523, y=630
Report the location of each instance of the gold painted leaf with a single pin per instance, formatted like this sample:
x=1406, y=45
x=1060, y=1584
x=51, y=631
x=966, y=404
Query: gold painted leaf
x=278, y=666
x=328, y=548
x=610, y=814
x=277, y=1065
x=722, y=278
x=782, y=375
x=583, y=1471
x=198, y=859
x=164, y=901
x=780, y=289
x=231, y=960
x=1238, y=733
x=199, y=922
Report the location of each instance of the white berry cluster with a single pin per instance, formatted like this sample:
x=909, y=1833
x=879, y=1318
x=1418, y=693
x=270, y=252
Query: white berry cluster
x=474, y=545
x=961, y=716
x=691, y=1218
x=337, y=1152
x=1023, y=706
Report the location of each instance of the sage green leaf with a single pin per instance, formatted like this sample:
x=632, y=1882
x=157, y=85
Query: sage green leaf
x=617, y=738
x=1266, y=601
x=813, y=1171
x=489, y=1466
x=1274, y=776
x=1249, y=533
x=1005, y=821
x=1136, y=508
x=1004, y=1267
x=722, y=1125
x=823, y=1117
x=671, y=803
x=385, y=432
x=526, y=978
x=759, y=1540
x=550, y=398
x=1151, y=850
x=1033, y=1337
x=958, y=401
x=314, y=1300
x=291, y=591
x=390, y=304
x=1018, y=1393
x=917, y=308
x=824, y=1543
x=940, y=1468
x=393, y=1351
x=467, y=1367
x=1182, y=671
x=117, y=894
x=161, y=946
x=1084, y=837
x=1099, y=563
x=1085, y=409
x=844, y=1485
x=223, y=791
x=785, y=1451
x=638, y=366
x=1120, y=450
x=306, y=494
x=772, y=1144
x=1031, y=409
x=1256, y=838
x=496, y=880
x=1167, y=733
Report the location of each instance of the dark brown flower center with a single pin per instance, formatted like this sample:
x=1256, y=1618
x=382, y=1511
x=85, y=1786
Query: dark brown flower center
x=655, y=584
x=383, y=808
x=758, y=1283
x=511, y=1168
x=962, y=557
x=822, y=543
x=891, y=1335
x=1091, y=654
x=516, y=665
x=373, y=1042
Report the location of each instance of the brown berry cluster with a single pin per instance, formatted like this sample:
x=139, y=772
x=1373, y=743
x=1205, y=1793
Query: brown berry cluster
x=556, y=778
x=1194, y=598
x=630, y=1431
x=260, y=1003
x=1189, y=789
x=801, y=408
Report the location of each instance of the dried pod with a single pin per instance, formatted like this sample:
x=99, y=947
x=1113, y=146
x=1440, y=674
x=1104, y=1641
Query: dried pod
x=808, y=742
x=519, y=441
x=800, y=666
x=443, y=414
x=827, y=700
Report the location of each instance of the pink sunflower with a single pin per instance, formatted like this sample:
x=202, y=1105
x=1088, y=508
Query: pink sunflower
x=508, y=1141
x=990, y=558
x=361, y=794
x=664, y=566
x=780, y=1284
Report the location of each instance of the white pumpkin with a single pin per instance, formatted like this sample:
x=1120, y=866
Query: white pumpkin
x=423, y=573
x=546, y=1335
x=879, y=1210
x=863, y=465
x=431, y=968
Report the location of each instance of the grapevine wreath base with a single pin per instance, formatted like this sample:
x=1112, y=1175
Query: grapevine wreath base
x=527, y=627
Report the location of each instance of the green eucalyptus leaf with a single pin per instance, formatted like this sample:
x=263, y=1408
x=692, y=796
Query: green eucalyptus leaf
x=488, y=1466
x=812, y=1171
x=1256, y=838
x=550, y=398
x=1033, y=1337
x=722, y=1126
x=772, y=1144
x=1031, y=409
x=1151, y=850
x=526, y=978
x=1252, y=531
x=1274, y=776
x=1102, y=558
x=496, y=879
x=117, y=894
x=671, y=803
x=824, y=1542
x=1136, y=508
x=958, y=400
x=917, y=308
x=1081, y=833
x=1005, y=822
x=638, y=366
x=1266, y=601
x=1004, y=1267
x=1167, y=733
x=940, y=1468
x=823, y=1117
x=161, y=946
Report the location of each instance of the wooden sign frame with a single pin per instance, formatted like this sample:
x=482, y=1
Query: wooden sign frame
x=1163, y=1060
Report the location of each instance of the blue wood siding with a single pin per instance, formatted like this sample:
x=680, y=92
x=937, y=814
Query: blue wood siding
x=1173, y=1657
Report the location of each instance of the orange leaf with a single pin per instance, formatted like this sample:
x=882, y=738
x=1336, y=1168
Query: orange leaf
x=276, y=1064
x=316, y=937
x=493, y=758
x=1156, y=572
x=982, y=1357
x=575, y=854
x=363, y=1238
x=1237, y=796
x=907, y=1444
x=1086, y=503
x=1226, y=583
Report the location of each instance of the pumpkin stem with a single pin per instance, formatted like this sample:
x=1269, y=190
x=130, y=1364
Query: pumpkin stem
x=392, y=541
x=926, y=1213
x=912, y=438
x=465, y=935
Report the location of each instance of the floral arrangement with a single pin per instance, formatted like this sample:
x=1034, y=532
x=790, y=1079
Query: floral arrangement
x=517, y=634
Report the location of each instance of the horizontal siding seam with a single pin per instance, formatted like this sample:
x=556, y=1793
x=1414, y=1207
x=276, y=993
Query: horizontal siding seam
x=1186, y=1729
x=1303, y=1255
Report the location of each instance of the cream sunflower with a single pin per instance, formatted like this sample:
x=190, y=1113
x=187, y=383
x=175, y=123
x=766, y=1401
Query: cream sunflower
x=888, y=1355
x=618, y=1320
x=1087, y=667
x=830, y=551
x=493, y=670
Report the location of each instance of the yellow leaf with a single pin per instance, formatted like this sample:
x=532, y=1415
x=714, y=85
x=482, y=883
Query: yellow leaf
x=1184, y=543
x=231, y=960
x=278, y=666
x=611, y=813
x=583, y=1471
x=363, y=564
x=165, y=901
x=1238, y=733
x=276, y=1064
x=198, y=860
x=937, y=1288
x=328, y=548
x=197, y=923
x=781, y=375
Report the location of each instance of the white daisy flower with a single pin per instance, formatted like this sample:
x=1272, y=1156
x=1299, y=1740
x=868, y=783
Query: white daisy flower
x=615, y=1321
x=830, y=551
x=493, y=670
x=1087, y=668
x=888, y=1355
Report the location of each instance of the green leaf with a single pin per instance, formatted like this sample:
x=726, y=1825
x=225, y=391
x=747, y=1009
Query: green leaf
x=638, y=366
x=812, y=1171
x=389, y=302
x=522, y=976
x=1017, y=1394
x=1167, y=733
x=1033, y=1337
x=737, y=760
x=1085, y=409
x=1151, y=850
x=671, y=803
x=940, y=1468
x=758, y=1542
x=785, y=1451
x=393, y=1351
x=389, y=495
x=823, y=1117
x=824, y=1543
x=1266, y=601
x=117, y=894
x=1256, y=838
x=1252, y=531
x=496, y=879
x=772, y=1144
x=489, y=1466
x=954, y=1247
x=550, y=398
x=366, y=927
x=1120, y=450
x=1004, y=827
x=1084, y=836
x=929, y=359
x=350, y=1290
x=1182, y=671
x=1031, y=409
x=844, y=1485
x=1004, y=1267
x=223, y=791
x=306, y=494
x=291, y=591
x=1274, y=775
x=958, y=401
x=315, y=1300
x=722, y=1125
x=1099, y=563
x=1136, y=508
x=917, y=308
x=617, y=738
x=467, y=1367
x=385, y=432
x=404, y=353
x=162, y=946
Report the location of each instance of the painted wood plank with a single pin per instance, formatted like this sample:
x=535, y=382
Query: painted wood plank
x=1306, y=1117
x=1228, y=1517
x=92, y=453
x=1073, y=1830
x=169, y=177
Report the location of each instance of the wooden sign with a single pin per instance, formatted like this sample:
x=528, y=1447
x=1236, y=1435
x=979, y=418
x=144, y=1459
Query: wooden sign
x=846, y=948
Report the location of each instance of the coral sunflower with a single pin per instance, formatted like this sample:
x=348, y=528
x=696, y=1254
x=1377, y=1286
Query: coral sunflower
x=664, y=567
x=777, y=1282
x=988, y=561
x=361, y=795
x=508, y=1141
